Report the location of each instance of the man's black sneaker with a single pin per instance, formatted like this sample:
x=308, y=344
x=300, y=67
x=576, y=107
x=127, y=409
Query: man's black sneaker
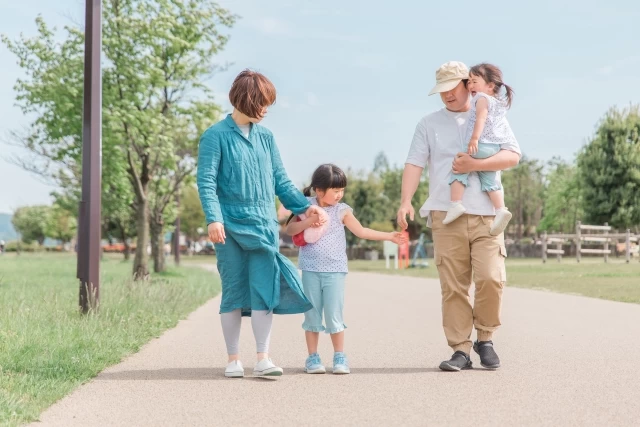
x=459, y=360
x=488, y=357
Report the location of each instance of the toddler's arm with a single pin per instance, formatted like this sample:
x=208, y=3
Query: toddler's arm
x=352, y=223
x=482, y=111
x=295, y=227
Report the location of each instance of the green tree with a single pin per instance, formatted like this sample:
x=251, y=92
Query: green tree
x=191, y=214
x=157, y=55
x=523, y=193
x=609, y=170
x=562, y=198
x=392, y=191
x=31, y=222
x=61, y=224
x=375, y=197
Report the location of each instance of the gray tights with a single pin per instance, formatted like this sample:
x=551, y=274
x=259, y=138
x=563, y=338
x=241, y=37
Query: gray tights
x=260, y=322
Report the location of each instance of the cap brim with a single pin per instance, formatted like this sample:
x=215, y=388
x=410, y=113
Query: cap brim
x=445, y=86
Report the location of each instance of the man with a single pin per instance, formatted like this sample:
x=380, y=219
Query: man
x=464, y=246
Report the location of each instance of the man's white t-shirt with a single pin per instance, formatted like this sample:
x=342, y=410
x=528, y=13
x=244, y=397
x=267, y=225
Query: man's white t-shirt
x=438, y=138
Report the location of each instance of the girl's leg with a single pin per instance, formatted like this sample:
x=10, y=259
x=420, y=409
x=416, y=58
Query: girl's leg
x=457, y=191
x=497, y=198
x=338, y=342
x=261, y=321
x=333, y=297
x=312, y=339
x=231, y=323
x=456, y=210
x=488, y=182
x=334, y=308
x=312, y=285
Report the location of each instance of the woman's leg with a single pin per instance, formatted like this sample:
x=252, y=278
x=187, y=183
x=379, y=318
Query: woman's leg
x=231, y=323
x=261, y=322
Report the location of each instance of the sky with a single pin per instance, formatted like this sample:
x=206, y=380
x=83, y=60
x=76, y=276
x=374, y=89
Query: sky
x=353, y=76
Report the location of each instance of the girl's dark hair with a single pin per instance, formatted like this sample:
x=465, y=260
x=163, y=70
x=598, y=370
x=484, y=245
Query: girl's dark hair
x=492, y=74
x=325, y=177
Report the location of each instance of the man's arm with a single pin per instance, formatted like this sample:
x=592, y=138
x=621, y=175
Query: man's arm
x=410, y=181
x=503, y=160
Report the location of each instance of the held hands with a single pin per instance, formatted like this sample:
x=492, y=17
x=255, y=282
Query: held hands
x=315, y=213
x=314, y=220
x=473, y=147
x=398, y=238
x=216, y=232
x=405, y=209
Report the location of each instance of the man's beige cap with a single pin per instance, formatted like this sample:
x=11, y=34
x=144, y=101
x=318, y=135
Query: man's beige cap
x=449, y=75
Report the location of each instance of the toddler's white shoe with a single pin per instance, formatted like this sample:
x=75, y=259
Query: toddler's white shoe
x=503, y=216
x=455, y=211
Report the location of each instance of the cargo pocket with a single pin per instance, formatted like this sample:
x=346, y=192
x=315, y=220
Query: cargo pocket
x=503, y=268
x=442, y=277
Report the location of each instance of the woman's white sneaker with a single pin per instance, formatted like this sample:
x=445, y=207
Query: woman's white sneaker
x=234, y=370
x=266, y=368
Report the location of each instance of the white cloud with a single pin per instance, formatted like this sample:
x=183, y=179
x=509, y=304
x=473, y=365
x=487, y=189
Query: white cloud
x=322, y=12
x=312, y=99
x=278, y=27
x=284, y=102
x=347, y=38
x=371, y=61
x=271, y=26
x=617, y=65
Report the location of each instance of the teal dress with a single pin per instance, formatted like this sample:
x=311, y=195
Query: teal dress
x=238, y=178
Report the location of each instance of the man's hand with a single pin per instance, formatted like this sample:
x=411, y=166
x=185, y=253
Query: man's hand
x=463, y=163
x=216, y=232
x=405, y=209
x=473, y=147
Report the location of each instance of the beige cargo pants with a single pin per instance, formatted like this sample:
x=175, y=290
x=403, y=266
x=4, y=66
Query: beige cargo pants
x=465, y=252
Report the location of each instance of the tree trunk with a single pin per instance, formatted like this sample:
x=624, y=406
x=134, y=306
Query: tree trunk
x=125, y=242
x=157, y=243
x=141, y=261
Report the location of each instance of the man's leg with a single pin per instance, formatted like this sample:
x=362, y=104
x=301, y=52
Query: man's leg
x=488, y=255
x=453, y=257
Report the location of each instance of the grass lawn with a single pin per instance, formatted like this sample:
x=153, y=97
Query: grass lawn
x=615, y=280
x=47, y=349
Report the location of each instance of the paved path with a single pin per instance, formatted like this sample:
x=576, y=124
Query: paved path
x=567, y=360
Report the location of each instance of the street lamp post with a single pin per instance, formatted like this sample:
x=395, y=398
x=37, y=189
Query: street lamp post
x=89, y=226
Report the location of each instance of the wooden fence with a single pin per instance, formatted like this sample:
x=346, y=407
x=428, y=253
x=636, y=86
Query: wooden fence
x=587, y=234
